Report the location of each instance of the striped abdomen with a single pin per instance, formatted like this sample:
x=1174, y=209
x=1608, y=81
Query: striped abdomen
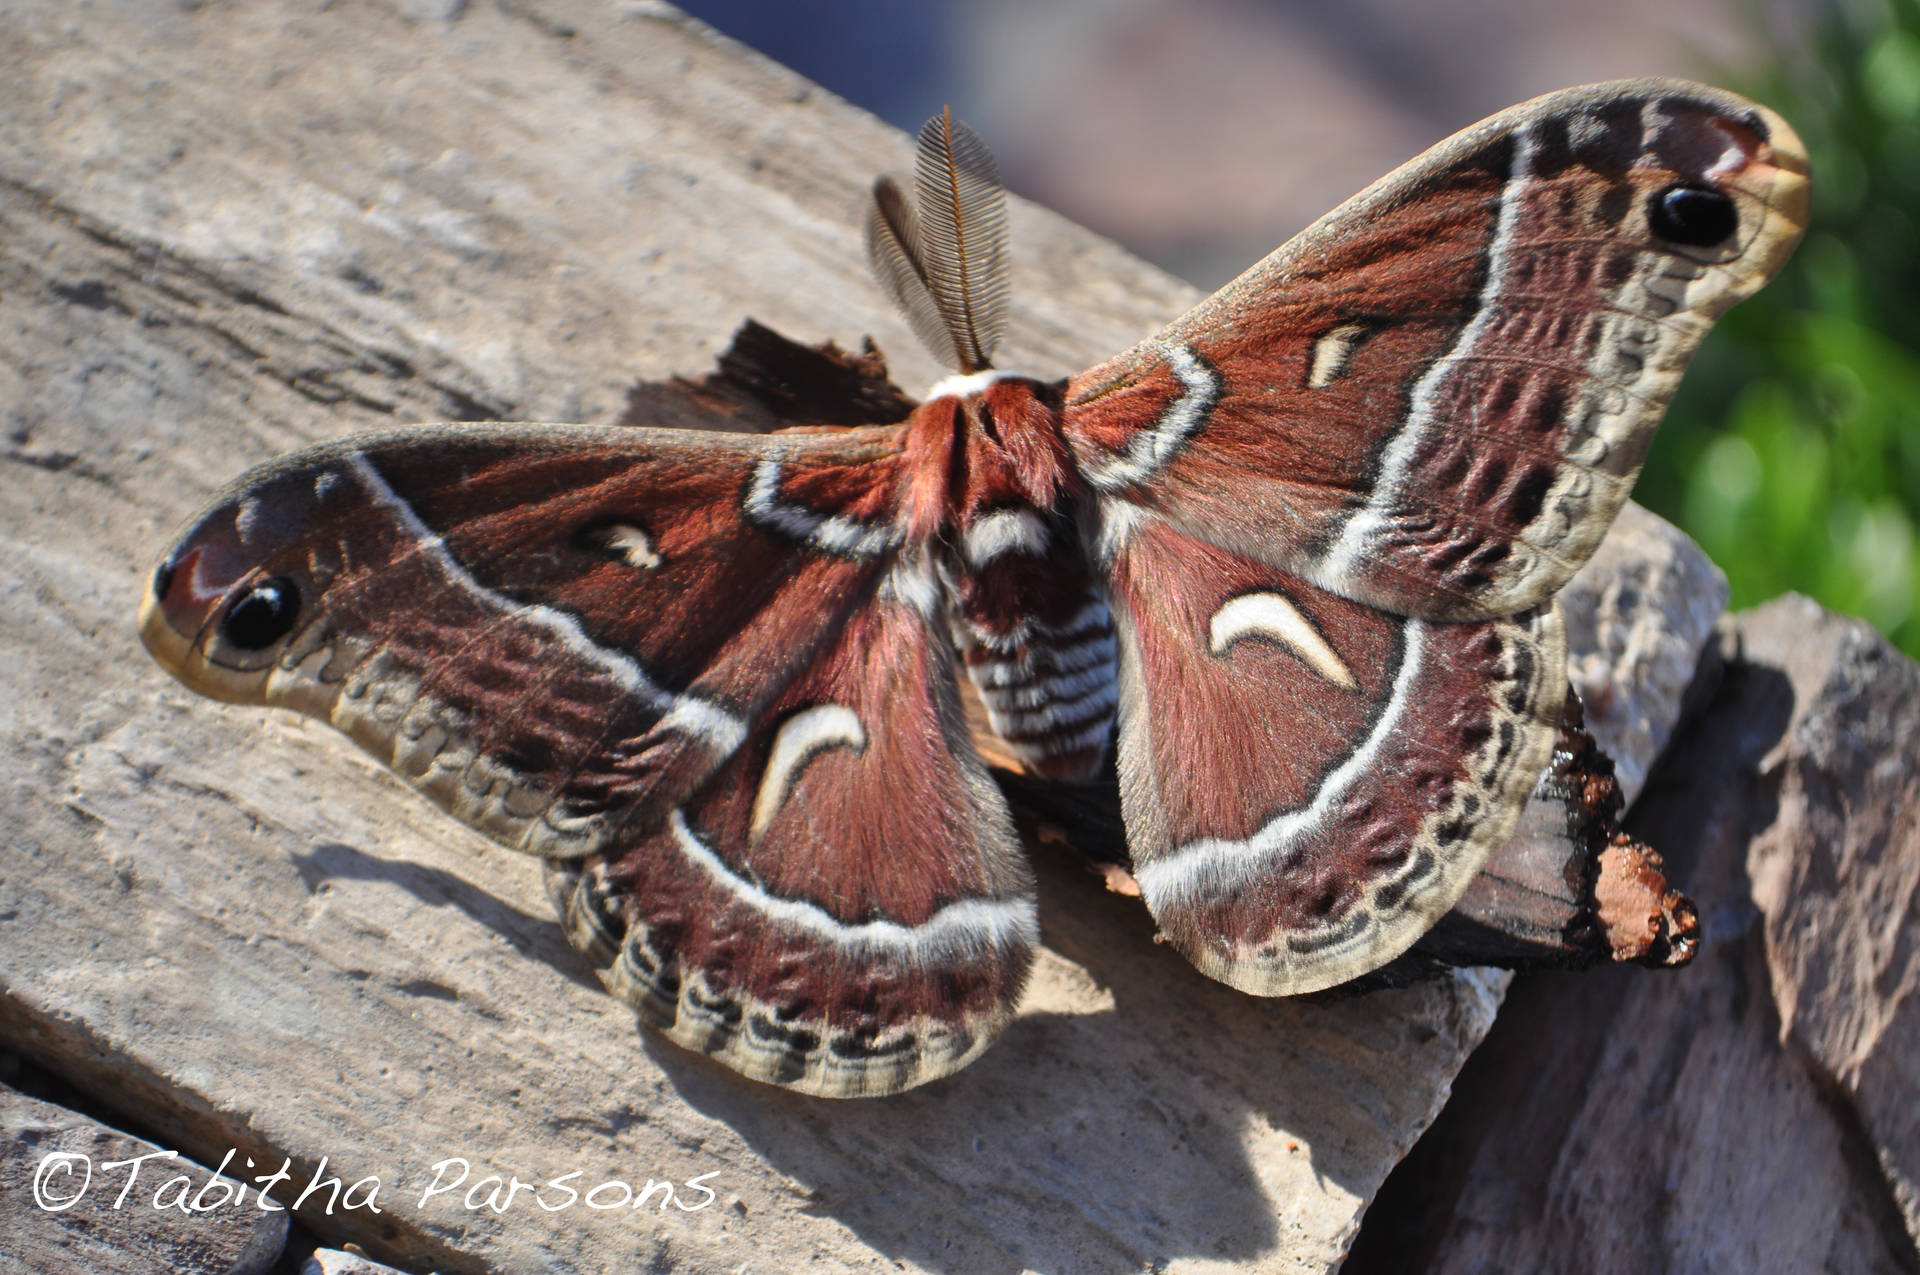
x=1037, y=640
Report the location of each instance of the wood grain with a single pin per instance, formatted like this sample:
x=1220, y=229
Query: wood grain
x=1836, y=873
x=81, y=1196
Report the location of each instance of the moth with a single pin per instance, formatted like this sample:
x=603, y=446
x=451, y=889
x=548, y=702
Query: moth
x=1292, y=559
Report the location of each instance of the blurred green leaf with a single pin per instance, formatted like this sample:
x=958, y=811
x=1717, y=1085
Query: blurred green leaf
x=1792, y=453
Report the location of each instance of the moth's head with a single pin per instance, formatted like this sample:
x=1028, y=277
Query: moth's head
x=239, y=587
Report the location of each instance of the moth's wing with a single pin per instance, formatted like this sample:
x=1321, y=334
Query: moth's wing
x=555, y=632
x=1310, y=782
x=844, y=909
x=1436, y=398
x=698, y=666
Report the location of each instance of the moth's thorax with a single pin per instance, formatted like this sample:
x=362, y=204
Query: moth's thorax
x=992, y=487
x=981, y=442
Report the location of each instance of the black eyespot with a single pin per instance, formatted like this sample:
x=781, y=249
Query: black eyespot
x=162, y=578
x=1694, y=215
x=264, y=616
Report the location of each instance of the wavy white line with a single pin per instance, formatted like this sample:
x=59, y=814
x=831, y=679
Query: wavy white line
x=1150, y=449
x=832, y=533
x=1360, y=536
x=691, y=715
x=957, y=932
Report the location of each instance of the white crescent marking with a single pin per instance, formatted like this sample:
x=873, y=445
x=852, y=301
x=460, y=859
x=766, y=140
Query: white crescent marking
x=1270, y=615
x=801, y=737
x=633, y=545
x=1330, y=354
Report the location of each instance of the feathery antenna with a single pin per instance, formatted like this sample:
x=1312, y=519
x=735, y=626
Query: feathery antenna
x=944, y=262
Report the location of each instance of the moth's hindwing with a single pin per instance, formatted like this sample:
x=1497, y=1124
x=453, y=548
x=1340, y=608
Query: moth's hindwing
x=1309, y=782
x=1436, y=398
x=845, y=909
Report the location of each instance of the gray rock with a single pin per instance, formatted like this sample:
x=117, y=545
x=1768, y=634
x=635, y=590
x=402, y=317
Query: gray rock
x=1638, y=615
x=1836, y=873
x=333, y=1261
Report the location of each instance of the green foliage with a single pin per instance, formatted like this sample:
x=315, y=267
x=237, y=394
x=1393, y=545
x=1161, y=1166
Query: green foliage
x=1792, y=453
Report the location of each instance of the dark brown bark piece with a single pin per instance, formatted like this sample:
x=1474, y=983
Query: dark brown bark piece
x=766, y=382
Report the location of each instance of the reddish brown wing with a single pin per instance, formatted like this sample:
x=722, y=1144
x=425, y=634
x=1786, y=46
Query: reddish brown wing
x=1436, y=399
x=556, y=632
x=700, y=667
x=844, y=910
x=1309, y=782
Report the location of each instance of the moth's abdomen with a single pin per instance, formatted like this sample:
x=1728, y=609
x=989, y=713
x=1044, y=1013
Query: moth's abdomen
x=1035, y=636
x=1051, y=697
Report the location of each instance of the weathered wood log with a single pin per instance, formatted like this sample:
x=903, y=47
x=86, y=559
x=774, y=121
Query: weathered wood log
x=1836, y=875
x=227, y=232
x=1756, y=1114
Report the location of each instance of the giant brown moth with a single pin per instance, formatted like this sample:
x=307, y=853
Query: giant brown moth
x=1301, y=548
